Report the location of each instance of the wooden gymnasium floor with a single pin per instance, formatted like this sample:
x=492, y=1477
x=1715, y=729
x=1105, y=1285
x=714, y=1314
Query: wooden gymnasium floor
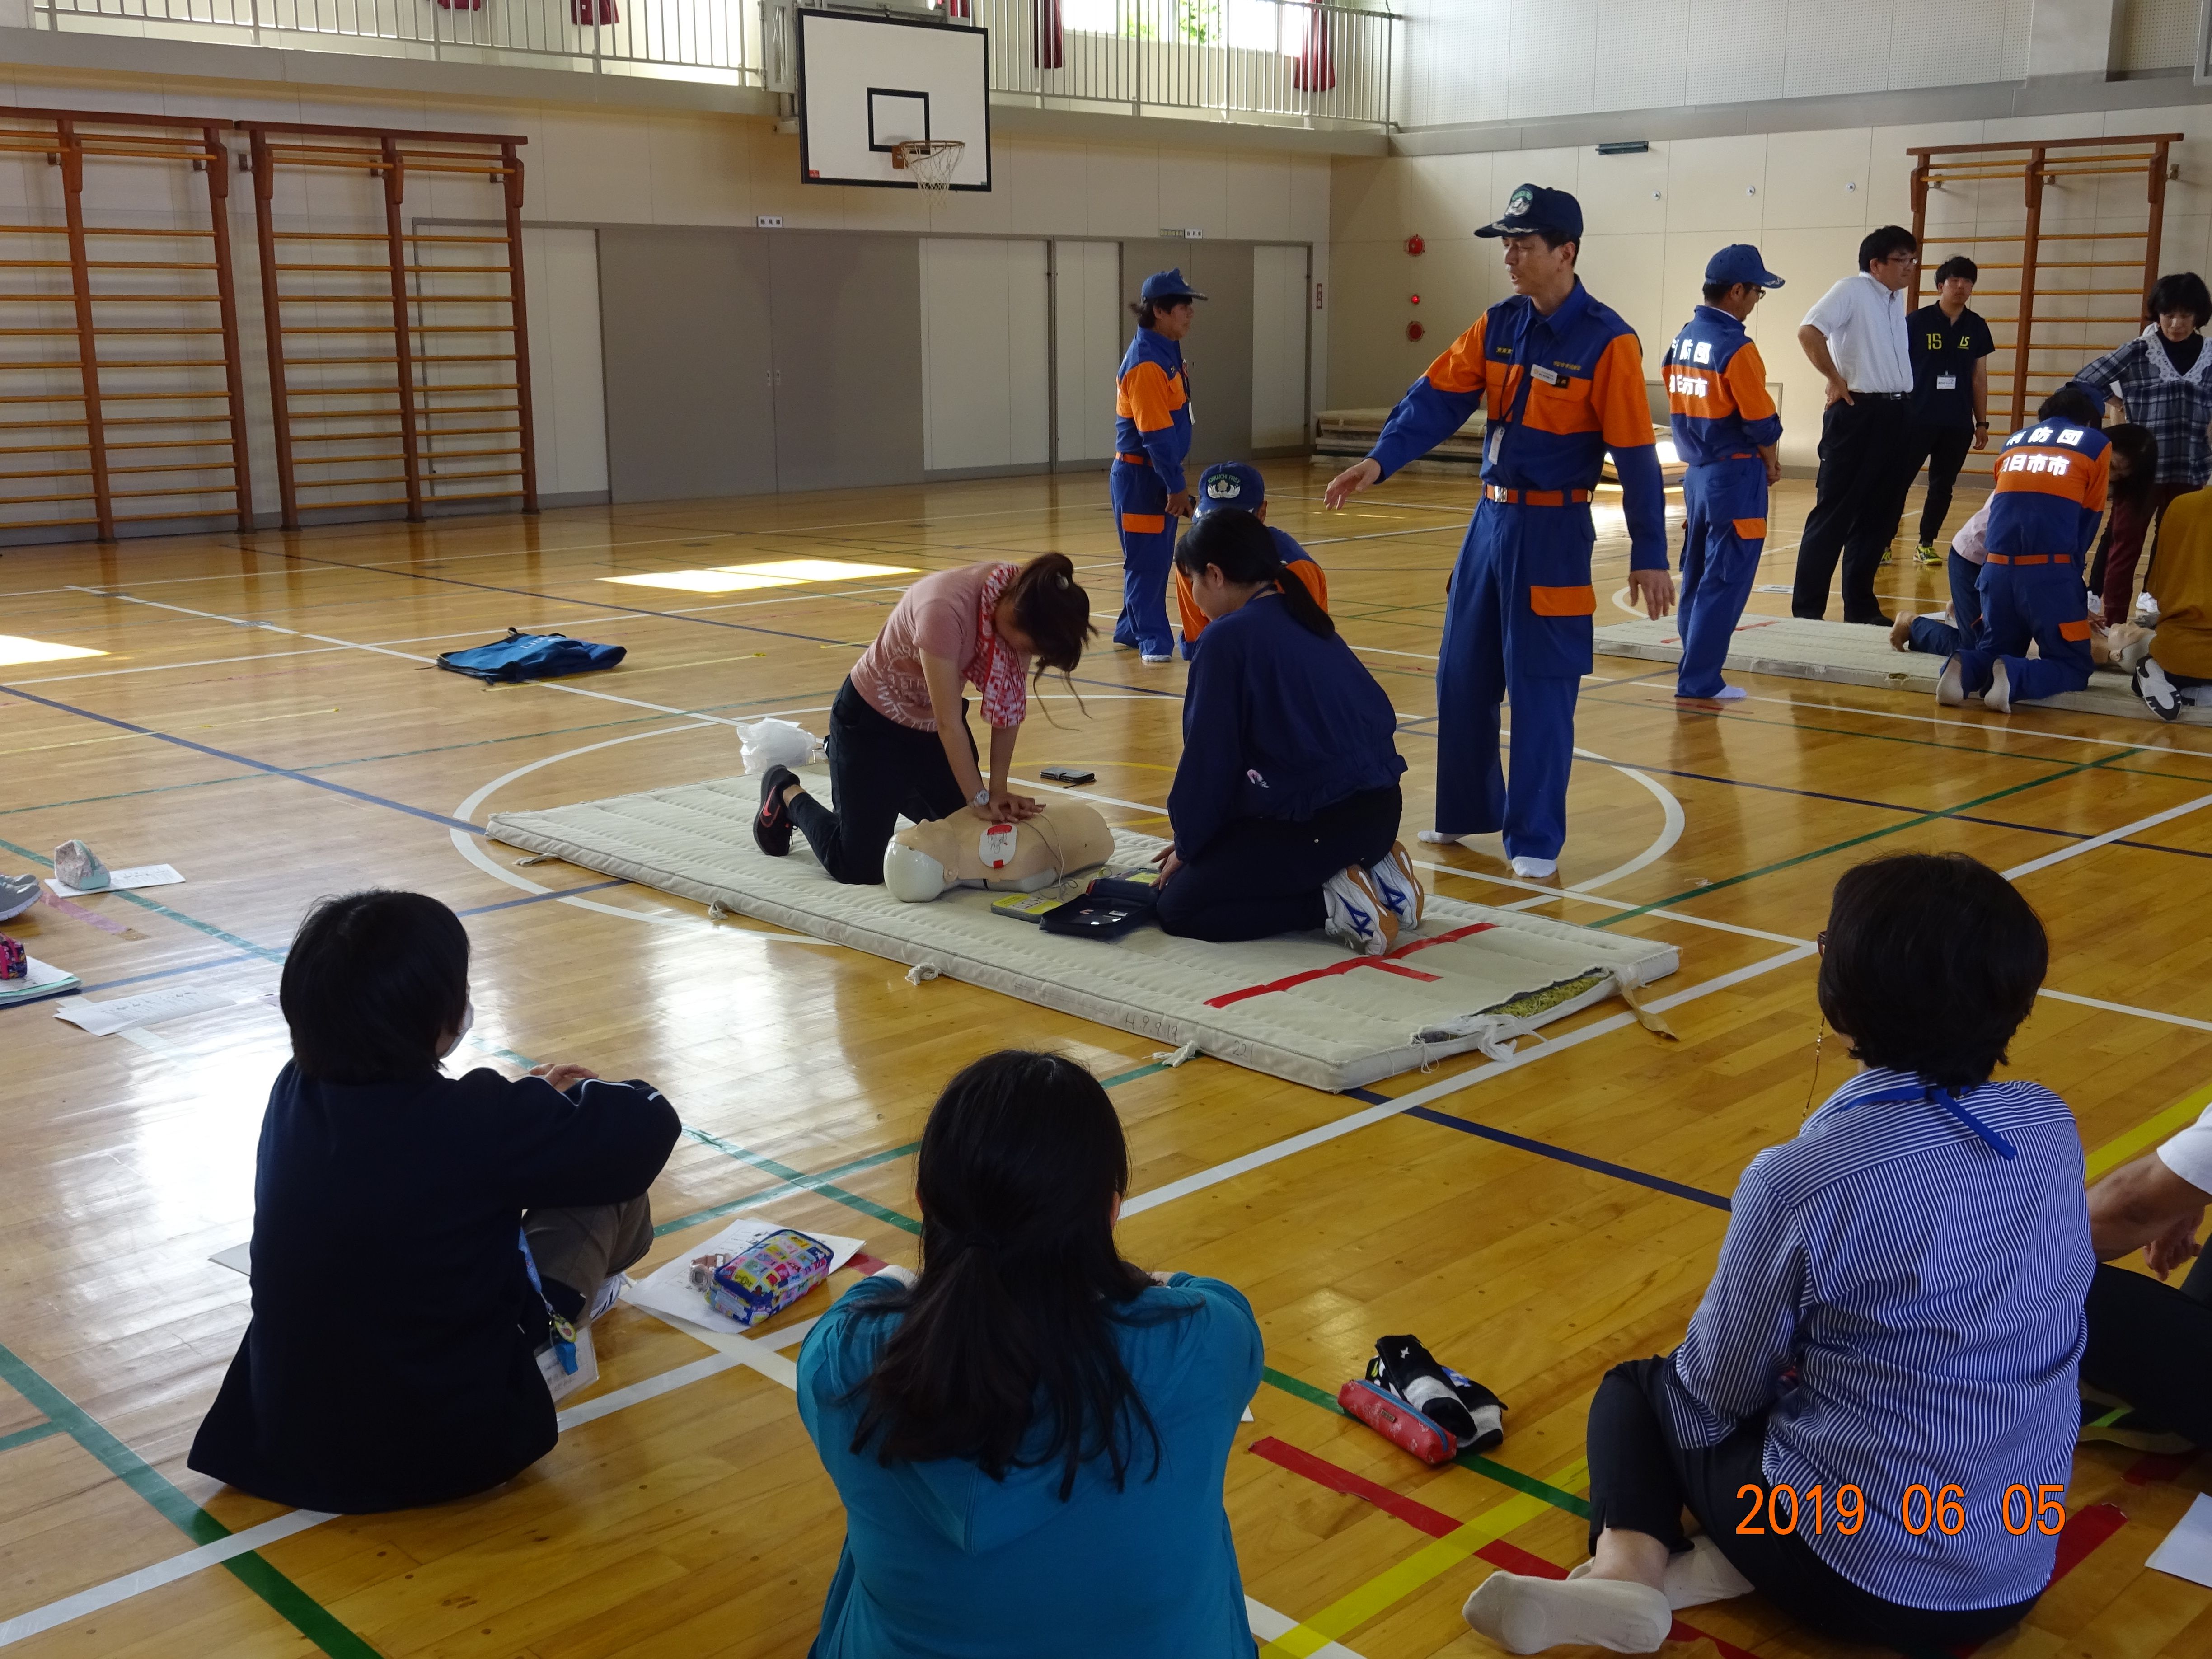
x=265, y=719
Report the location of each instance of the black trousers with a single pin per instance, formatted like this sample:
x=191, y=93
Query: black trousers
x=878, y=769
x=1261, y=876
x=1860, y=496
x=2151, y=1344
x=1641, y=1482
x=1943, y=450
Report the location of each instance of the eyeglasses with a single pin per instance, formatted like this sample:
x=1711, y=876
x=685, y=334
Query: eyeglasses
x=1821, y=941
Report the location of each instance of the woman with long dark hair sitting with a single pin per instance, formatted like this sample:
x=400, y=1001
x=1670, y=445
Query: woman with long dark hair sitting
x=1030, y=1437
x=899, y=741
x=1285, y=803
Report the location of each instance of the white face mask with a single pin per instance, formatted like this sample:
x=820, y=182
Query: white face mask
x=468, y=1018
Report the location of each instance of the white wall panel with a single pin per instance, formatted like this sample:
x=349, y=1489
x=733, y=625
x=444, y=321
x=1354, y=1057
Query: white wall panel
x=568, y=390
x=1089, y=320
x=986, y=371
x=1280, y=303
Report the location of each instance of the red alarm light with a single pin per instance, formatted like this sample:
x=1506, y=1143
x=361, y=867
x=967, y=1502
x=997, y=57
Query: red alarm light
x=1415, y=246
x=1414, y=331
x=1412, y=299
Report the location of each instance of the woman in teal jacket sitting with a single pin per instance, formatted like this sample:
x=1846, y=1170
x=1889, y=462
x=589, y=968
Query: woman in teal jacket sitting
x=1030, y=1437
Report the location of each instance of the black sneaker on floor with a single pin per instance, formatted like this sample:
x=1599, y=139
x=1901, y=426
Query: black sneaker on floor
x=1487, y=1410
x=772, y=823
x=1403, y=1365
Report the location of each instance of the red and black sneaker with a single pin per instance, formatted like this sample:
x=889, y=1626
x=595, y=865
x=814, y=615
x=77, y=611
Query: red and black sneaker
x=772, y=823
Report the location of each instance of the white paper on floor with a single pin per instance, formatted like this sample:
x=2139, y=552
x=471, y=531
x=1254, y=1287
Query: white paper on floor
x=239, y=1258
x=113, y=1014
x=141, y=875
x=40, y=979
x=667, y=1289
x=2187, y=1551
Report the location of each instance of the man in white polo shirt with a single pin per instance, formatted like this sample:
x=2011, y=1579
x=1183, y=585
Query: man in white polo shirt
x=2150, y=1345
x=1855, y=337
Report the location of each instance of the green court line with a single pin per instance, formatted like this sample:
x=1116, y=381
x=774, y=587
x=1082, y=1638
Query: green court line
x=1913, y=823
x=299, y=1609
x=128, y=794
x=177, y=916
x=821, y=1183
x=1557, y=1496
x=800, y=1178
x=40, y=1431
x=1121, y=1077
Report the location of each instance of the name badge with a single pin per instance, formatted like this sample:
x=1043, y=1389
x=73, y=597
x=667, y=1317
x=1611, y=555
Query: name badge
x=1548, y=376
x=1946, y=383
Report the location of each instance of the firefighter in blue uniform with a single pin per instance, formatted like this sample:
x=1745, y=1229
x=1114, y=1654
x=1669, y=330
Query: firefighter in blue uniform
x=1726, y=428
x=2046, y=498
x=1152, y=436
x=1562, y=378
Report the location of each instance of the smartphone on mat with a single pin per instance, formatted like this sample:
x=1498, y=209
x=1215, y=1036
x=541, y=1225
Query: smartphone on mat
x=1066, y=774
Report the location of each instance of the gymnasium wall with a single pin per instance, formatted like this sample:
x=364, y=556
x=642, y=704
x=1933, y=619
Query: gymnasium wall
x=1804, y=197
x=596, y=171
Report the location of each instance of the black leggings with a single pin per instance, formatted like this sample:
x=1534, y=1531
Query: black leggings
x=1261, y=876
x=879, y=769
x=1641, y=1482
x=2151, y=1344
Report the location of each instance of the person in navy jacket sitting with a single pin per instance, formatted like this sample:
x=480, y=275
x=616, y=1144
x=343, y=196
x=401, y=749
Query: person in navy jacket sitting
x=1285, y=803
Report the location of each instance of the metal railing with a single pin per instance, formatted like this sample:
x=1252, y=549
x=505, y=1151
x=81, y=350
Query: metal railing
x=1298, y=60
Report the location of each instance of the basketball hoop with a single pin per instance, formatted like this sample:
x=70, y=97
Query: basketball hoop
x=930, y=162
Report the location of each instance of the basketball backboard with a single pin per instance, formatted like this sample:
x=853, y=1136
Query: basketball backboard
x=868, y=83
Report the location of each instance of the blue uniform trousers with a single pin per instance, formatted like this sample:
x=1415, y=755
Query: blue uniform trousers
x=1148, y=539
x=1516, y=627
x=1940, y=638
x=2019, y=602
x=1723, y=501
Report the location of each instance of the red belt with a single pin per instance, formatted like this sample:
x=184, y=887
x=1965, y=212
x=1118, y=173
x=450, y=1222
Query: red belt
x=1135, y=460
x=2030, y=558
x=1534, y=497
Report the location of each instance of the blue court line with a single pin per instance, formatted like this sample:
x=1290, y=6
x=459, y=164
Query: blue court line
x=540, y=898
x=269, y=767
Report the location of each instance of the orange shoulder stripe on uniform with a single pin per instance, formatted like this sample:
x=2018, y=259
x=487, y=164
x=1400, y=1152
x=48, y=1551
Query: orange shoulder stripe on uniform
x=1459, y=367
x=1147, y=397
x=1746, y=379
x=1616, y=394
x=1316, y=582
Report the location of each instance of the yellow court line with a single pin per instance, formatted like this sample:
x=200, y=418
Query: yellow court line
x=2184, y=1112
x=1393, y=1585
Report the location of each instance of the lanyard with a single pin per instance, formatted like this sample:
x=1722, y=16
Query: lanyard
x=564, y=1334
x=1940, y=1096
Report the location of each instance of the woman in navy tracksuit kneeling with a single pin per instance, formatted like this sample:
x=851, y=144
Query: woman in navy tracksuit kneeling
x=1285, y=803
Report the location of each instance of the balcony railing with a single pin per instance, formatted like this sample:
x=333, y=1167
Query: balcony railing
x=1264, y=59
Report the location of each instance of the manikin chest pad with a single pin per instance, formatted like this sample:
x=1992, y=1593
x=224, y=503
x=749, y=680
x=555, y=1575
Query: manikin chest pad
x=924, y=859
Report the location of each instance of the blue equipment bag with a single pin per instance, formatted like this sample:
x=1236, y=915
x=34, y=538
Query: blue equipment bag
x=530, y=657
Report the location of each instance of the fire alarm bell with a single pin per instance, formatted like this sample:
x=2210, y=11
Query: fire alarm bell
x=1415, y=245
x=1414, y=331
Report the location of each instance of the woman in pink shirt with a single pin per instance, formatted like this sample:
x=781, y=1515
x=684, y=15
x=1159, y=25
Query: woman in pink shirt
x=899, y=741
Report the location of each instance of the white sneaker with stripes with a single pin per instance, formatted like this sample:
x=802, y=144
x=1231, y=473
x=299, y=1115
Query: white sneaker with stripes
x=1358, y=918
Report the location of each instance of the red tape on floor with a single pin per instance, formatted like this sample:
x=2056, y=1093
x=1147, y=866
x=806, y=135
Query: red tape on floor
x=1387, y=962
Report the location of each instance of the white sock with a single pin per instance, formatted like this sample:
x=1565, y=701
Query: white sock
x=1702, y=1576
x=1731, y=694
x=1528, y=1615
x=1439, y=838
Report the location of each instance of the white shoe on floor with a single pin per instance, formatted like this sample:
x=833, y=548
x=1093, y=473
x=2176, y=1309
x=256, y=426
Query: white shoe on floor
x=1696, y=1579
x=1357, y=917
x=2155, y=688
x=1399, y=888
x=1528, y=1615
x=1999, y=695
x=1731, y=694
x=1530, y=869
x=1951, y=684
x=1150, y=657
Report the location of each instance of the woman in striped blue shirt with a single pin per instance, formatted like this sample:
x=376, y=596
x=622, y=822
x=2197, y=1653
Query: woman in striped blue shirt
x=1872, y=1415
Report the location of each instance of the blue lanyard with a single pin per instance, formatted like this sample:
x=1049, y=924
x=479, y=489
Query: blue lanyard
x=563, y=1333
x=1943, y=1097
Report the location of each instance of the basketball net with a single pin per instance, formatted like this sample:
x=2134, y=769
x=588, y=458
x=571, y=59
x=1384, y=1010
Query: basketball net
x=930, y=162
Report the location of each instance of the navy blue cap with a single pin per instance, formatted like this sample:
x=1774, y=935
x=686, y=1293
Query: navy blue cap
x=1739, y=261
x=1231, y=483
x=1532, y=209
x=1167, y=285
